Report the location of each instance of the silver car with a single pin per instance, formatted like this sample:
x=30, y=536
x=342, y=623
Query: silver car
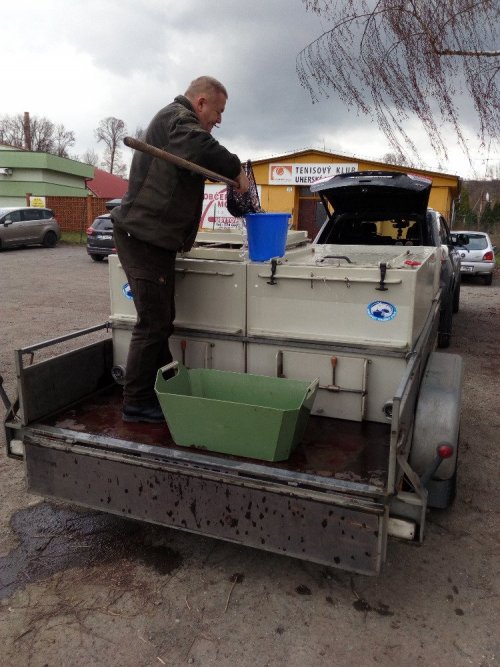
x=477, y=256
x=28, y=226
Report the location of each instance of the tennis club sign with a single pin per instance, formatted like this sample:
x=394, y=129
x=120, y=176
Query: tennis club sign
x=306, y=173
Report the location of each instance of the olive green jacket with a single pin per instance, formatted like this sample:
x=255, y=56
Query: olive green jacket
x=163, y=204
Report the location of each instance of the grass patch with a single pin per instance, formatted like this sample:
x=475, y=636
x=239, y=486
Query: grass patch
x=74, y=238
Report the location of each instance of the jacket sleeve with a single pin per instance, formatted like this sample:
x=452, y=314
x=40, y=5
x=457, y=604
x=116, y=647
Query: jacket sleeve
x=191, y=142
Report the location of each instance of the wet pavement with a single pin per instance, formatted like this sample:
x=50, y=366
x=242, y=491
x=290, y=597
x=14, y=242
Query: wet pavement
x=53, y=539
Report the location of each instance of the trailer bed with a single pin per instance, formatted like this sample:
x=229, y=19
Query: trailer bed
x=330, y=448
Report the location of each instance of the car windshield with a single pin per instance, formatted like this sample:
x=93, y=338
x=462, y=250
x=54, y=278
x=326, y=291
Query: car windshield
x=476, y=242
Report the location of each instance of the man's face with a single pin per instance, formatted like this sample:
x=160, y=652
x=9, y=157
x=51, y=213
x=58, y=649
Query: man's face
x=209, y=109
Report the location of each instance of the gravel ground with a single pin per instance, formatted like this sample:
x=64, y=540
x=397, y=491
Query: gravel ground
x=81, y=588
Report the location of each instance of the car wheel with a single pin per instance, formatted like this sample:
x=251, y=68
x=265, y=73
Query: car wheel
x=50, y=240
x=97, y=258
x=445, y=324
x=487, y=280
x=456, y=298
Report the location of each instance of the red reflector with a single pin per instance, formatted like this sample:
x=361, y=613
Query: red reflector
x=412, y=262
x=445, y=451
x=488, y=256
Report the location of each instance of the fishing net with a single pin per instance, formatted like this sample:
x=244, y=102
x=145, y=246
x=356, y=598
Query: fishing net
x=239, y=204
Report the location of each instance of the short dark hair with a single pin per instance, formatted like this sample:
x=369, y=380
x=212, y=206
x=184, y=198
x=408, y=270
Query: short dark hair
x=205, y=84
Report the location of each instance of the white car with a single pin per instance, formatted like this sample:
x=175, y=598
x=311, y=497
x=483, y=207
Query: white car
x=477, y=257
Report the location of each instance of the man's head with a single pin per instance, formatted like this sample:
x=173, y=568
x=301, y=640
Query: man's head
x=208, y=97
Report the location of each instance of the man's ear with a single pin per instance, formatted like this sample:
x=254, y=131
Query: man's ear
x=200, y=102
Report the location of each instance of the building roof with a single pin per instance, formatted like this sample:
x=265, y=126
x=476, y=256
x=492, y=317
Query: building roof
x=342, y=157
x=106, y=185
x=23, y=159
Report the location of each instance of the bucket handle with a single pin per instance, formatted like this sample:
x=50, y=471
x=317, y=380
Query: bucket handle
x=169, y=367
x=312, y=387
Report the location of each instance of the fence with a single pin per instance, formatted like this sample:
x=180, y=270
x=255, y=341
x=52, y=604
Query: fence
x=75, y=214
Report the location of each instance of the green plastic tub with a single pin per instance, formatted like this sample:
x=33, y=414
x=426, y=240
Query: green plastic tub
x=235, y=413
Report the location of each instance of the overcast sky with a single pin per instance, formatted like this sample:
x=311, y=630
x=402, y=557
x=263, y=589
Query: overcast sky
x=77, y=62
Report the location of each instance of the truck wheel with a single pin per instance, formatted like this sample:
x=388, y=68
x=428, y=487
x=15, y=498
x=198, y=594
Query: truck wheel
x=456, y=297
x=445, y=324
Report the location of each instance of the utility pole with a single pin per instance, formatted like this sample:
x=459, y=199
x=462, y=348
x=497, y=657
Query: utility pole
x=27, y=130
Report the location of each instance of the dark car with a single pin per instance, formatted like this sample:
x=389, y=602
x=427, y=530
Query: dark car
x=390, y=208
x=100, y=241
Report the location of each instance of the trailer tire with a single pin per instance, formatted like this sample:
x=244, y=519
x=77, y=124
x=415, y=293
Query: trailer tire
x=441, y=492
x=437, y=421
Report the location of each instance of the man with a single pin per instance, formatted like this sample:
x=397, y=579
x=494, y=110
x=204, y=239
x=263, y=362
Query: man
x=158, y=216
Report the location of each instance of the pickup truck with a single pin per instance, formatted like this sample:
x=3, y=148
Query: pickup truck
x=381, y=443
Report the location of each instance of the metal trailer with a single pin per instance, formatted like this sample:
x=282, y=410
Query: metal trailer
x=335, y=502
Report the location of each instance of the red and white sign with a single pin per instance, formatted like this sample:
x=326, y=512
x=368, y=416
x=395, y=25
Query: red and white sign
x=307, y=173
x=214, y=214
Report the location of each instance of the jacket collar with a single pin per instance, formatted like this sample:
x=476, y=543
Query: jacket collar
x=182, y=99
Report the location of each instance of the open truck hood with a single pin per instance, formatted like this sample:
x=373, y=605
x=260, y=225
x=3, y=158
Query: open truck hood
x=376, y=193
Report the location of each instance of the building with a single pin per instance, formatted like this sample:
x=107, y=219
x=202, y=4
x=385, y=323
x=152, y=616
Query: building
x=283, y=182
x=24, y=173
x=107, y=186
x=76, y=192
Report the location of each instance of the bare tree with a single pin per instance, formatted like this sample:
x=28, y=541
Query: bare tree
x=395, y=159
x=395, y=58
x=63, y=139
x=140, y=133
x=12, y=131
x=111, y=131
x=91, y=157
x=36, y=134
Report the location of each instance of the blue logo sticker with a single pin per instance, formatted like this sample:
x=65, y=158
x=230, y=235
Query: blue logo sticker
x=381, y=311
x=127, y=292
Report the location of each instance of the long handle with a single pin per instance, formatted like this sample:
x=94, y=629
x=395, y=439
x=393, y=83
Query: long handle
x=142, y=146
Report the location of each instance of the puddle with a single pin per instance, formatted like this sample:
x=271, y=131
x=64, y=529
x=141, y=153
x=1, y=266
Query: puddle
x=53, y=539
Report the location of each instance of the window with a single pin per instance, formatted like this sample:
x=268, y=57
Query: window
x=103, y=224
x=477, y=242
x=444, y=234
x=13, y=216
x=32, y=214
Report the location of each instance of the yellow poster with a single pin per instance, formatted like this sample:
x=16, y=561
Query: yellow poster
x=38, y=202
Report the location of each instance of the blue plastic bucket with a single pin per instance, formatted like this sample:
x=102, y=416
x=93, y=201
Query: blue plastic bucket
x=266, y=233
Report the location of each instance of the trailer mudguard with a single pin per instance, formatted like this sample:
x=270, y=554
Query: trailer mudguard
x=437, y=417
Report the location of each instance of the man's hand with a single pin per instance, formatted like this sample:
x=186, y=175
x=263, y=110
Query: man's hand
x=243, y=183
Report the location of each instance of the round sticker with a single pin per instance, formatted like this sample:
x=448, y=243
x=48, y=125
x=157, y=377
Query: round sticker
x=382, y=311
x=127, y=292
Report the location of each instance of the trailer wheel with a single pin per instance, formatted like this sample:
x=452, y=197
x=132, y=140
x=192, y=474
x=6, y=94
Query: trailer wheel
x=441, y=492
x=437, y=421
